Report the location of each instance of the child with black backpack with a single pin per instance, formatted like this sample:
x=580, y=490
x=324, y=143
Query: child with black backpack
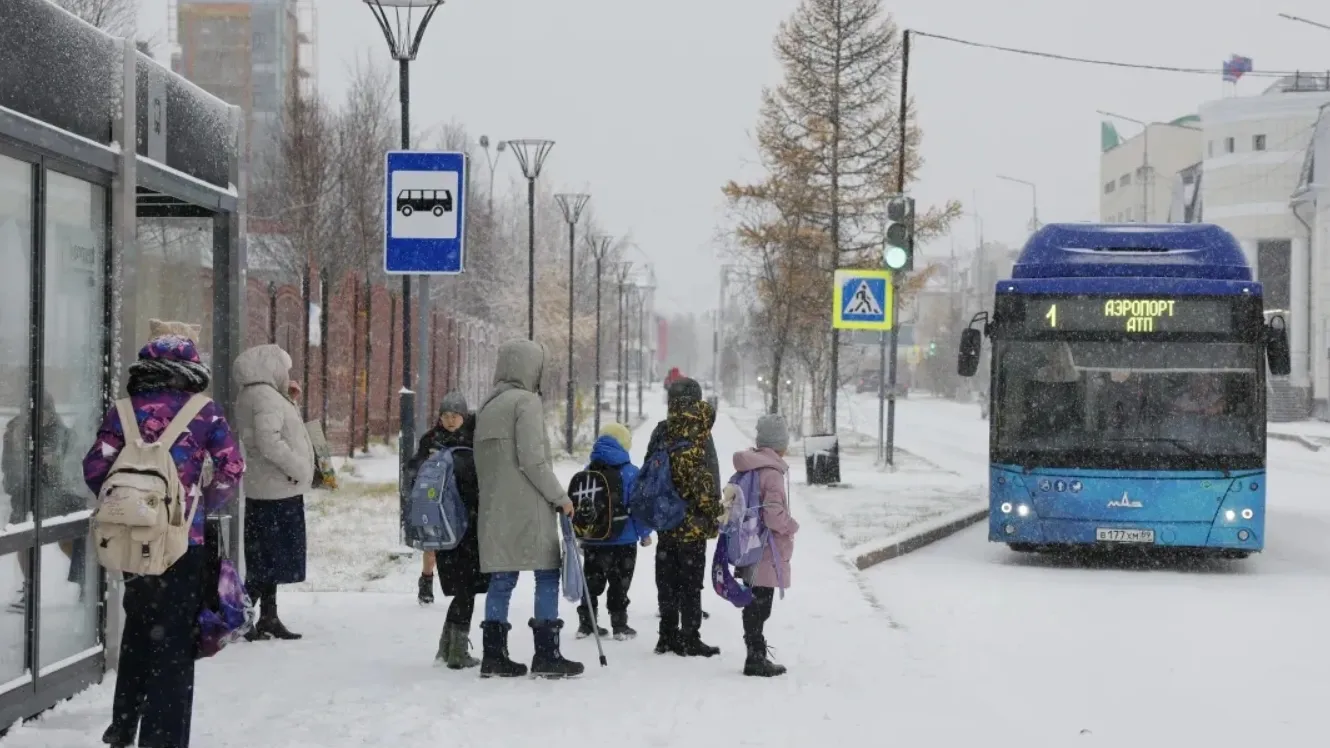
x=610, y=563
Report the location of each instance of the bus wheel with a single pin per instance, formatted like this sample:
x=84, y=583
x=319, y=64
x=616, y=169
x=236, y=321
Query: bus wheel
x=438, y=211
x=1021, y=547
x=407, y=211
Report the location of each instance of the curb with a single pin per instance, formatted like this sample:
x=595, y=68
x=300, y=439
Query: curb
x=908, y=542
x=1294, y=438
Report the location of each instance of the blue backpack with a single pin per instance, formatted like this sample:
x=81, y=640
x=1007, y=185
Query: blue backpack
x=655, y=502
x=437, y=517
x=742, y=530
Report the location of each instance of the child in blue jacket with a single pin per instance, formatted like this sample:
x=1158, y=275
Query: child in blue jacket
x=611, y=562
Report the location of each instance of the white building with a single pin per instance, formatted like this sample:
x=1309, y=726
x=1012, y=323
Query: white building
x=1135, y=175
x=1256, y=182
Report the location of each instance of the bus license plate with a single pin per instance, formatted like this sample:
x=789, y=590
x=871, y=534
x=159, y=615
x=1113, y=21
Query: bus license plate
x=1119, y=535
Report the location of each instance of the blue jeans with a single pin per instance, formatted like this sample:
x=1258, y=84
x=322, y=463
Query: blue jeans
x=502, y=584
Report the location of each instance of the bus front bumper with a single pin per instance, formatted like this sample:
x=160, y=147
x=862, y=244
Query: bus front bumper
x=1027, y=529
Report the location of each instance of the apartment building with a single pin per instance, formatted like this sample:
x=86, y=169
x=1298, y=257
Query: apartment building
x=1136, y=174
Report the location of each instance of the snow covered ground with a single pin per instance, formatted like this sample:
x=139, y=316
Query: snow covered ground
x=363, y=675
x=958, y=643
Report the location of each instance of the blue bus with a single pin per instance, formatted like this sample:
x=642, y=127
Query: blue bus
x=1128, y=391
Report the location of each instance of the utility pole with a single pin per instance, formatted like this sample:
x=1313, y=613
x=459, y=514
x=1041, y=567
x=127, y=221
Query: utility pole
x=889, y=443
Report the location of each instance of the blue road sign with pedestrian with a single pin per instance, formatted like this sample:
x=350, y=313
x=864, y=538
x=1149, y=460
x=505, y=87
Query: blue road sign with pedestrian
x=425, y=216
x=862, y=300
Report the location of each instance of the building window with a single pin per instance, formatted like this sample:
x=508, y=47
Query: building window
x=1258, y=142
x=1108, y=188
x=1125, y=180
x=1228, y=145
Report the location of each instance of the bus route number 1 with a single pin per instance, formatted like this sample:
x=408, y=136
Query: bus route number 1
x=1052, y=315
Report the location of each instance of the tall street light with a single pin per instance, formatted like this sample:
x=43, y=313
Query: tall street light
x=492, y=159
x=571, y=204
x=404, y=31
x=600, y=245
x=645, y=292
x=621, y=396
x=531, y=153
x=1034, y=200
x=1144, y=178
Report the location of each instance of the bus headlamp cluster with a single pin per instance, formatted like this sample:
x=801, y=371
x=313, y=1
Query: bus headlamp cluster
x=1021, y=510
x=1231, y=515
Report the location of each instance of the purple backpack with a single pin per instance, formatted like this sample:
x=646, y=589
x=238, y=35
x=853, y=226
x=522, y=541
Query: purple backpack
x=743, y=537
x=227, y=617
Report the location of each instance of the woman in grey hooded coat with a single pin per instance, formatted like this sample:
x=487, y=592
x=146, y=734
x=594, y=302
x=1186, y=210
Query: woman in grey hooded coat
x=519, y=495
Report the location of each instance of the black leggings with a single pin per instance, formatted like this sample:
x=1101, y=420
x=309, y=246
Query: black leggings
x=461, y=609
x=756, y=614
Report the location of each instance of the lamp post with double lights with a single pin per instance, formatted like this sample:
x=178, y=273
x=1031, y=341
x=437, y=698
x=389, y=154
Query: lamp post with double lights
x=600, y=245
x=571, y=204
x=531, y=153
x=645, y=297
x=404, y=29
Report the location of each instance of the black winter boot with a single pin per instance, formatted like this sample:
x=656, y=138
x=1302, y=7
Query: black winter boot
x=425, y=596
x=759, y=662
x=691, y=645
x=584, y=624
x=622, y=631
x=117, y=738
x=269, y=625
x=549, y=662
x=494, y=658
x=669, y=637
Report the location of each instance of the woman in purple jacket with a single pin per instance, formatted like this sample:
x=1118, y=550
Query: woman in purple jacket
x=154, y=687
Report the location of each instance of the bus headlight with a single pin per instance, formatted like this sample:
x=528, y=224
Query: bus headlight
x=1243, y=535
x=1247, y=513
x=1023, y=510
x=1230, y=515
x=1006, y=507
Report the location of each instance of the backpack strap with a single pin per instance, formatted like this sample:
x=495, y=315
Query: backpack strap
x=129, y=421
x=182, y=419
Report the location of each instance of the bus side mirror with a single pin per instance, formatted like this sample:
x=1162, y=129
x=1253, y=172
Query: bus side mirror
x=967, y=362
x=1276, y=347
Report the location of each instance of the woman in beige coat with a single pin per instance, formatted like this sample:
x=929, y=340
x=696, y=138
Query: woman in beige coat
x=280, y=462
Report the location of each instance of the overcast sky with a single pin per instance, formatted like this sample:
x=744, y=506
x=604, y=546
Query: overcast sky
x=652, y=105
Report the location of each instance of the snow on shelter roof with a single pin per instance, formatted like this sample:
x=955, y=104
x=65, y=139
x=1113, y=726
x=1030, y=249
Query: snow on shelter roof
x=1139, y=250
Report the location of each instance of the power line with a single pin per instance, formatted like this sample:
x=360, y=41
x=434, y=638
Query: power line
x=1091, y=61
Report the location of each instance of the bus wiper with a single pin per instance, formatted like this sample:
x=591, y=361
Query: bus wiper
x=1181, y=444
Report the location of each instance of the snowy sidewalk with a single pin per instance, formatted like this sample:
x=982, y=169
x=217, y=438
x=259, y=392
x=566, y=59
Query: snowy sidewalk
x=873, y=506
x=363, y=676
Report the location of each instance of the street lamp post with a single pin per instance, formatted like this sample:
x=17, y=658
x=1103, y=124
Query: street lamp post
x=1145, y=177
x=620, y=396
x=492, y=159
x=1034, y=200
x=571, y=204
x=404, y=33
x=645, y=293
x=531, y=154
x=599, y=246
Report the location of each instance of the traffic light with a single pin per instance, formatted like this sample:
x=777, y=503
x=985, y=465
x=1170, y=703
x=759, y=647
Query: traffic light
x=932, y=348
x=899, y=250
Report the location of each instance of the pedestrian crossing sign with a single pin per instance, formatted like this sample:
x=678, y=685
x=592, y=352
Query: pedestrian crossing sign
x=862, y=300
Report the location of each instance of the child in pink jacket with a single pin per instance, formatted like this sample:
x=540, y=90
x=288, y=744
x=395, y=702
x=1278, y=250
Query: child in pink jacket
x=774, y=569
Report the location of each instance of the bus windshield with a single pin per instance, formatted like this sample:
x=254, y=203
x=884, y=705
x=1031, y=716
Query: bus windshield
x=1128, y=405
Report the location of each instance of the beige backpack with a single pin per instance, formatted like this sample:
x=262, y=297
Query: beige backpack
x=140, y=526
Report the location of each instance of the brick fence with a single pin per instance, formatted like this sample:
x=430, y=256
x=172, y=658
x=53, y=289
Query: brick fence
x=362, y=402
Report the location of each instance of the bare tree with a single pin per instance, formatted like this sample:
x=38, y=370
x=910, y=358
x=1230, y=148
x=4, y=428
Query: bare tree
x=116, y=17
